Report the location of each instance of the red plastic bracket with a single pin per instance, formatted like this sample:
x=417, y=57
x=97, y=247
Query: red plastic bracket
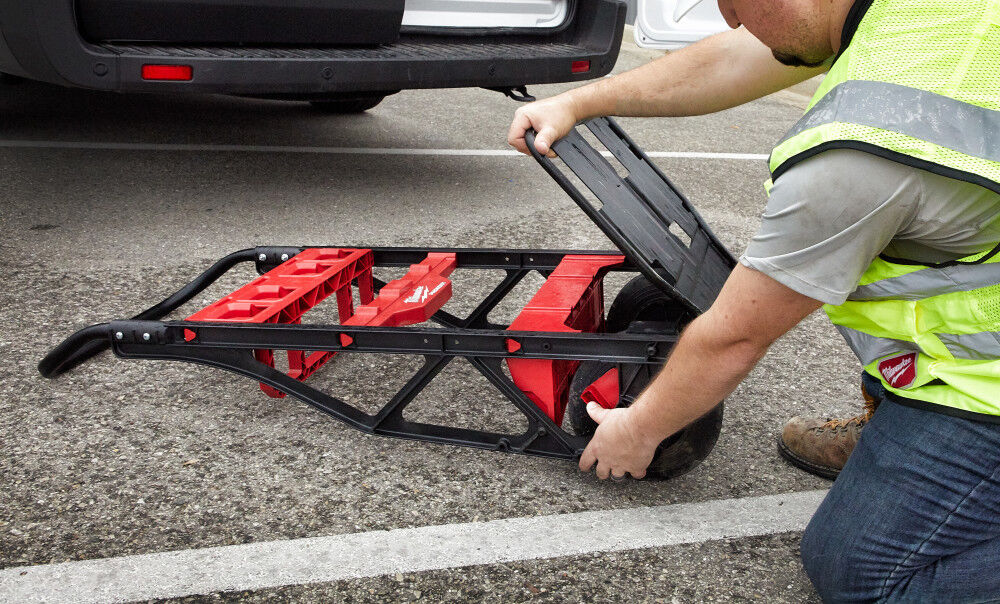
x=285, y=293
x=412, y=299
x=570, y=300
x=604, y=390
x=388, y=309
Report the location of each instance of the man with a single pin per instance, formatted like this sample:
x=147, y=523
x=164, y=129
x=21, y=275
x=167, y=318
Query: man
x=885, y=206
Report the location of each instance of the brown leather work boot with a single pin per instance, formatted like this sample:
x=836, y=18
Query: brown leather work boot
x=822, y=446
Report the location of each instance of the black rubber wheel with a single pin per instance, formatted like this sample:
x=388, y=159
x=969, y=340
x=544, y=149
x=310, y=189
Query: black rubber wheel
x=676, y=455
x=357, y=103
x=640, y=300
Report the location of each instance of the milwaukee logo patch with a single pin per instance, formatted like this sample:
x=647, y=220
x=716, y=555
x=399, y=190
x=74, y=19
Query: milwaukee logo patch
x=420, y=295
x=899, y=371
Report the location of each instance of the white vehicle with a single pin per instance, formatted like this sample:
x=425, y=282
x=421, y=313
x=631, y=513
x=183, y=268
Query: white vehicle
x=658, y=26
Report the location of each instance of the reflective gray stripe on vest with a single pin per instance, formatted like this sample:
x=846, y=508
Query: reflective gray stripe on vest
x=929, y=282
x=868, y=348
x=927, y=116
x=983, y=346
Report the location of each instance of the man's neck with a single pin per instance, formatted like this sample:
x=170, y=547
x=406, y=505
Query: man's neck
x=838, y=19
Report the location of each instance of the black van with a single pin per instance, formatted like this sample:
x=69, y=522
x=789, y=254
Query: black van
x=342, y=55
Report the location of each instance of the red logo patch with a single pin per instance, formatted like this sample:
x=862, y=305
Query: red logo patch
x=899, y=371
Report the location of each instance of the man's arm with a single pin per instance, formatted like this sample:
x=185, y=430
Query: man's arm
x=713, y=356
x=719, y=72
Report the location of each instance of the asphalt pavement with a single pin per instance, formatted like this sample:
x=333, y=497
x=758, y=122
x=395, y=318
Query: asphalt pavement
x=109, y=202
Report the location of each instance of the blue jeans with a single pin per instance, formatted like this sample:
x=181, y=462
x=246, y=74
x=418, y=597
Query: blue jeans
x=915, y=514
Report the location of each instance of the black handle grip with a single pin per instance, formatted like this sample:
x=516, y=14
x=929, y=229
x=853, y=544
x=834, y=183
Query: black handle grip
x=75, y=349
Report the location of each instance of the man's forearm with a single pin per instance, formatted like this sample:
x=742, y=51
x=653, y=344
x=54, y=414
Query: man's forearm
x=704, y=368
x=718, y=350
x=713, y=355
x=717, y=73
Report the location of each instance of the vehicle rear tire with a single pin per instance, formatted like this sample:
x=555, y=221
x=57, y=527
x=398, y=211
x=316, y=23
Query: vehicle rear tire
x=349, y=104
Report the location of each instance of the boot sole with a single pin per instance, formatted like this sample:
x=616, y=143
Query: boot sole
x=804, y=464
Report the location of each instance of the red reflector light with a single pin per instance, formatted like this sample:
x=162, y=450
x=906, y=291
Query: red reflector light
x=167, y=72
x=580, y=66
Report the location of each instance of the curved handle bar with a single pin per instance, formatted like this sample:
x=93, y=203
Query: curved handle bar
x=74, y=350
x=91, y=341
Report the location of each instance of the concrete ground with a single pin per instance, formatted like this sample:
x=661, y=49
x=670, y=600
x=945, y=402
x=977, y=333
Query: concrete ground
x=120, y=458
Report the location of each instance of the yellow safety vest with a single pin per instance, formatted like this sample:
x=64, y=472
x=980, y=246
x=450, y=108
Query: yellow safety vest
x=919, y=83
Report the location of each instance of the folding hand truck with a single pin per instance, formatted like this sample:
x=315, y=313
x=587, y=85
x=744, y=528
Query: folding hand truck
x=560, y=352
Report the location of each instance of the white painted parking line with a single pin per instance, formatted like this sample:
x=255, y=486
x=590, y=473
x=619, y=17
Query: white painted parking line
x=323, y=559
x=698, y=155
x=103, y=146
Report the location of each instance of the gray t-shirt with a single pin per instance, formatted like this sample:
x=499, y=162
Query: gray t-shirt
x=830, y=216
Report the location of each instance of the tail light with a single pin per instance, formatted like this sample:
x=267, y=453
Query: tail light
x=174, y=73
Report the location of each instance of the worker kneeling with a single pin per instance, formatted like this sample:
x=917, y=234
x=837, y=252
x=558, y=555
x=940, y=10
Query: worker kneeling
x=884, y=207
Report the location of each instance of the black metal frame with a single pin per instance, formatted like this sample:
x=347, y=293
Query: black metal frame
x=636, y=212
x=230, y=346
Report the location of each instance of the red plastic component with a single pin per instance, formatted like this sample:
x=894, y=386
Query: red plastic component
x=175, y=73
x=604, y=390
x=570, y=300
x=285, y=293
x=580, y=66
x=413, y=298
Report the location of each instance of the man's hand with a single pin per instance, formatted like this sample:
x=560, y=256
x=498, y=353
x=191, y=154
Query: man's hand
x=619, y=447
x=751, y=312
x=551, y=118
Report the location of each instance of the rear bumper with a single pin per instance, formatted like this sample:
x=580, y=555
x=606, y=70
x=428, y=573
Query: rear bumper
x=40, y=39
